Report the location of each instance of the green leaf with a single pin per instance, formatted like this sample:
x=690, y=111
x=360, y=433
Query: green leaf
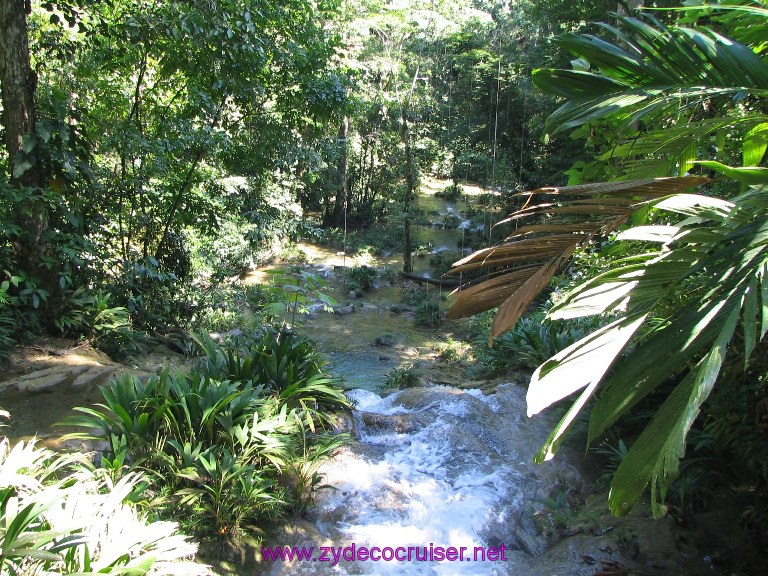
x=655, y=455
x=581, y=365
x=748, y=175
x=754, y=145
x=749, y=320
x=23, y=164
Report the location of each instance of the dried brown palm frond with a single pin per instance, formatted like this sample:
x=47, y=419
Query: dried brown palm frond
x=522, y=265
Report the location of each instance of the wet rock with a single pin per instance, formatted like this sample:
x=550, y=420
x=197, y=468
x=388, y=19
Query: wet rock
x=385, y=340
x=398, y=423
x=369, y=308
x=352, y=295
x=43, y=380
x=343, y=422
x=342, y=310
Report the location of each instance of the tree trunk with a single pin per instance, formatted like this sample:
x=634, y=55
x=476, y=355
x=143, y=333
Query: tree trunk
x=18, y=96
x=342, y=192
x=627, y=7
x=410, y=193
x=18, y=89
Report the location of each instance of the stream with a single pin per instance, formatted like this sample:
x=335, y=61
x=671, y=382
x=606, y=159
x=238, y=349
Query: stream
x=435, y=469
x=438, y=479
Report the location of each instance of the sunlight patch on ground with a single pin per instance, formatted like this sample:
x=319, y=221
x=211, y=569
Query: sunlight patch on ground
x=430, y=186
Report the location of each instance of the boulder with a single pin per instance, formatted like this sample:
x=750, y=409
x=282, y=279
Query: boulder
x=385, y=340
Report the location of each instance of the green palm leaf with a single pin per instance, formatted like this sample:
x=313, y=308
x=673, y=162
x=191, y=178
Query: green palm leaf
x=695, y=79
x=720, y=254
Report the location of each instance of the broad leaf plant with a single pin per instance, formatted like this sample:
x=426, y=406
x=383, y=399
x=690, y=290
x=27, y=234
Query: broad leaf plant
x=698, y=264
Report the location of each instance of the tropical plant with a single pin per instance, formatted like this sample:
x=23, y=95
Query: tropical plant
x=529, y=343
x=361, y=278
x=58, y=517
x=406, y=376
x=292, y=292
x=674, y=93
x=214, y=442
x=700, y=271
x=428, y=313
x=287, y=365
x=452, y=193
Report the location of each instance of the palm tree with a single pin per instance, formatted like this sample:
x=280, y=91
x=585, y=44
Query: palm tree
x=701, y=268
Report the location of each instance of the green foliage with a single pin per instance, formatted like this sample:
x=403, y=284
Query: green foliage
x=292, y=292
x=452, y=193
x=109, y=328
x=721, y=261
x=376, y=239
x=7, y=326
x=59, y=517
x=705, y=279
x=287, y=365
x=442, y=262
x=532, y=341
x=453, y=351
x=406, y=376
x=643, y=78
x=361, y=278
x=428, y=313
x=214, y=442
x=233, y=251
x=303, y=478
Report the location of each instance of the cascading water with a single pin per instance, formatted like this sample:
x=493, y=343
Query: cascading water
x=434, y=469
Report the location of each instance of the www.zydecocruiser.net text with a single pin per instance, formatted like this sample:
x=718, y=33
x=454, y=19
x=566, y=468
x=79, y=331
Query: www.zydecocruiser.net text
x=335, y=554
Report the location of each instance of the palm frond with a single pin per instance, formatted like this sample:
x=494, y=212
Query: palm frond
x=602, y=208
x=695, y=79
x=720, y=253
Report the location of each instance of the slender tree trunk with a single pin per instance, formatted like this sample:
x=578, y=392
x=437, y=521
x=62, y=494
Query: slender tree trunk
x=342, y=192
x=18, y=96
x=627, y=7
x=410, y=193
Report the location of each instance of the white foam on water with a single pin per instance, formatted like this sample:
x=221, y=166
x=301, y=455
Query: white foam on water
x=419, y=491
x=489, y=400
x=367, y=401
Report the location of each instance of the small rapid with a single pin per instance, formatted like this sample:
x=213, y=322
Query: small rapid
x=434, y=469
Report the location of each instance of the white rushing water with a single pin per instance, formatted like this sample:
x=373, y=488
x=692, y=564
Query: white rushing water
x=434, y=470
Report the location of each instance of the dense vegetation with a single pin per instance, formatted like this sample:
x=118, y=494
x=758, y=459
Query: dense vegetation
x=155, y=151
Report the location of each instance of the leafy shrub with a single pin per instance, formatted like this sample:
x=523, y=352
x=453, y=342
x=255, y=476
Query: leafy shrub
x=214, y=441
x=287, y=365
x=148, y=293
x=406, y=376
x=360, y=278
x=109, y=328
x=428, y=314
x=530, y=343
x=376, y=239
x=452, y=193
x=234, y=250
x=292, y=293
x=61, y=518
x=453, y=351
x=442, y=262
